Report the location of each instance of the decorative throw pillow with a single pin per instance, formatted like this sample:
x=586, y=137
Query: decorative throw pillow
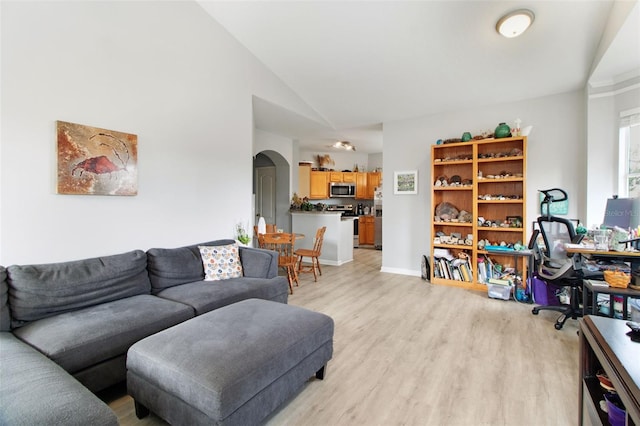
x=221, y=262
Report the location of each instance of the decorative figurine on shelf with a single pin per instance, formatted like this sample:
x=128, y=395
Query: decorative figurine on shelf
x=581, y=230
x=466, y=137
x=516, y=129
x=502, y=131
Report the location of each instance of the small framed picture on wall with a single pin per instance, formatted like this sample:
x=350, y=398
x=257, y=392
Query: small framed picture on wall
x=405, y=182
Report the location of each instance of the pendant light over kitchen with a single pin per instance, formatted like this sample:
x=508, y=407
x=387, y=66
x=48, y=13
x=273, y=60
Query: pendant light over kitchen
x=344, y=145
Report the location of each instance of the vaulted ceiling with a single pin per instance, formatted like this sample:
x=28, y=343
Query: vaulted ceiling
x=359, y=64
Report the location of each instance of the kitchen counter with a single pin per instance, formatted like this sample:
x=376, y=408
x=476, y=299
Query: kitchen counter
x=337, y=246
x=323, y=212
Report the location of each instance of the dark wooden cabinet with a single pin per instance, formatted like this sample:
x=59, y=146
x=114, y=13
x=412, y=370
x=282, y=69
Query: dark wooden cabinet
x=605, y=346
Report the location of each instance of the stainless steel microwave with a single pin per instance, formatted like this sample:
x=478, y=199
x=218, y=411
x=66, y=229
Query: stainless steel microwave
x=344, y=190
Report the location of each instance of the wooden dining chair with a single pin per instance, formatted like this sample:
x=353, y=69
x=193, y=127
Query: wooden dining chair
x=313, y=253
x=271, y=229
x=284, y=244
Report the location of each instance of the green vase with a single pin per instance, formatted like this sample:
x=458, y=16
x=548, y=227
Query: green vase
x=466, y=137
x=502, y=131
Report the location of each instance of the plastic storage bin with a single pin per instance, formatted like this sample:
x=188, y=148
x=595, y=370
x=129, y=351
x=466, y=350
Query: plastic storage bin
x=499, y=291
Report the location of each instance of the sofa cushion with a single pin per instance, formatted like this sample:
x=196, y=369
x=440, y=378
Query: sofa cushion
x=79, y=339
x=175, y=266
x=206, y=296
x=242, y=362
x=41, y=291
x=5, y=315
x=36, y=391
x=220, y=262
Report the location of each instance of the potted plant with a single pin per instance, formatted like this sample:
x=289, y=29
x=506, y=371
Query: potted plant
x=241, y=234
x=324, y=160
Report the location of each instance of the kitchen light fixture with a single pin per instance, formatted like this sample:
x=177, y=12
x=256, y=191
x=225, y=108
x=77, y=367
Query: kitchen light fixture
x=515, y=23
x=344, y=145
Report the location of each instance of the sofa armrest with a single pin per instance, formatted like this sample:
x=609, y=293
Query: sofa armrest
x=259, y=263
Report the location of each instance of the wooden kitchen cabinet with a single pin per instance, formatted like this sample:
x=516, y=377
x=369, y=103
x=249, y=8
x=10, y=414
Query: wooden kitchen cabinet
x=361, y=185
x=366, y=230
x=340, y=177
x=304, y=180
x=318, y=185
x=373, y=181
x=365, y=183
x=335, y=176
x=349, y=177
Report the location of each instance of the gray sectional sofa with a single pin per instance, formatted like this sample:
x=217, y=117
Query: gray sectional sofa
x=69, y=324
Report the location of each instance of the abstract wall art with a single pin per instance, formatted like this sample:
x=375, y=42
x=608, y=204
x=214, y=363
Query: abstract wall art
x=94, y=161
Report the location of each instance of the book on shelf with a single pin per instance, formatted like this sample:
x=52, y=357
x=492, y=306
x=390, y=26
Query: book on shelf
x=466, y=272
x=484, y=269
x=453, y=269
x=500, y=281
x=455, y=273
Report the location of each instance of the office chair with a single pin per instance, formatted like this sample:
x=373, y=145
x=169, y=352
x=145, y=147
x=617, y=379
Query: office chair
x=554, y=266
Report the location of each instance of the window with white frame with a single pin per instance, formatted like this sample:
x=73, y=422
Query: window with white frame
x=629, y=166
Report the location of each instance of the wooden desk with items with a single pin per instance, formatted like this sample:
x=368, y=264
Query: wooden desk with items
x=606, y=348
x=595, y=287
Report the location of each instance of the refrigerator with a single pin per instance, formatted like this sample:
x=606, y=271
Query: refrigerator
x=377, y=209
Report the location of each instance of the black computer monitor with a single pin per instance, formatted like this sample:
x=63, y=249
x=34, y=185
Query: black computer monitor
x=622, y=212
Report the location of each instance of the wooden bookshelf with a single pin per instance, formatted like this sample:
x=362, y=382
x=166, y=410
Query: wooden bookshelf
x=492, y=185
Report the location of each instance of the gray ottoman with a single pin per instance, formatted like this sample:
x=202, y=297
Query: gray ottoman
x=231, y=366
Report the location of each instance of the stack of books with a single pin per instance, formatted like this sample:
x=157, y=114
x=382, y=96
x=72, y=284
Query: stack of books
x=453, y=269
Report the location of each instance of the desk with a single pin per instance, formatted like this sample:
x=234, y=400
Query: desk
x=590, y=286
x=276, y=235
x=625, y=256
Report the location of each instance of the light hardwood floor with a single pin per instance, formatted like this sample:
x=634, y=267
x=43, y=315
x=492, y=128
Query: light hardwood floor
x=410, y=353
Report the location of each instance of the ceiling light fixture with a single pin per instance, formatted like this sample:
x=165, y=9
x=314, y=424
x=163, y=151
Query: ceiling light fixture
x=515, y=23
x=344, y=145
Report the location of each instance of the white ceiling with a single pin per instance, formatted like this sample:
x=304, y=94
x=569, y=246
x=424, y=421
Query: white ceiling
x=362, y=63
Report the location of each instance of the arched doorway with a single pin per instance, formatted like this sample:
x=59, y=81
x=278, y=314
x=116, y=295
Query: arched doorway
x=272, y=188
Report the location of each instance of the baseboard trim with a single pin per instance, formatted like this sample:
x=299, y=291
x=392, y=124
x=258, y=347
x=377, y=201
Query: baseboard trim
x=333, y=262
x=400, y=271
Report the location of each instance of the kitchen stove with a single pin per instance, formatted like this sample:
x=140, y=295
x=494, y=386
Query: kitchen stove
x=346, y=209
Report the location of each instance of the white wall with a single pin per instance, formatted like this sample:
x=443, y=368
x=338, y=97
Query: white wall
x=604, y=109
x=165, y=71
x=343, y=160
x=375, y=161
x=555, y=158
x=286, y=171
x=265, y=141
